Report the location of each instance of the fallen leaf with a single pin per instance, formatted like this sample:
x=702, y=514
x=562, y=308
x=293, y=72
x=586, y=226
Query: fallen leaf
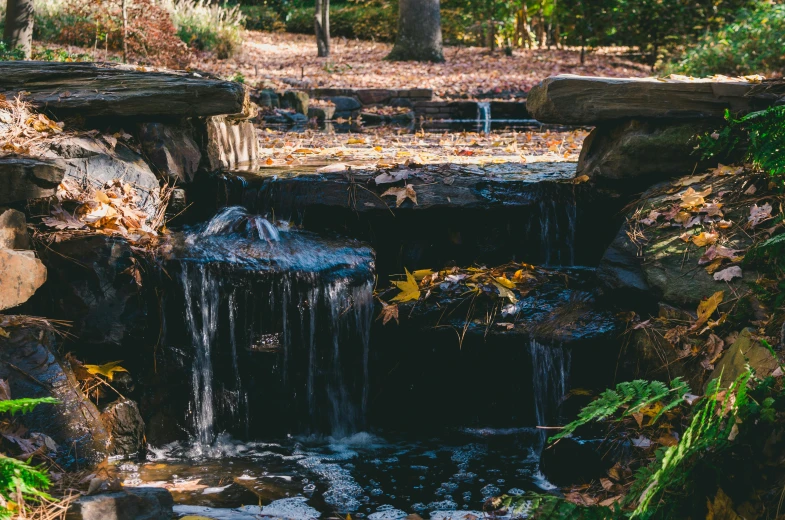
x=726, y=275
x=410, y=290
x=401, y=194
x=107, y=370
x=388, y=313
x=333, y=168
x=717, y=251
x=580, y=179
x=704, y=239
x=759, y=213
x=689, y=181
x=692, y=198
x=706, y=308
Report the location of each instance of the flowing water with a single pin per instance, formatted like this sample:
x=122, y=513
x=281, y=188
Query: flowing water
x=274, y=359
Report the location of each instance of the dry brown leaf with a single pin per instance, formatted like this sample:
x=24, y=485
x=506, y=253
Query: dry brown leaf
x=401, y=194
x=706, y=308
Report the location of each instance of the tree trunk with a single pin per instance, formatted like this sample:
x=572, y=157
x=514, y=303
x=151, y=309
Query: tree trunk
x=321, y=20
x=125, y=32
x=18, y=34
x=419, y=32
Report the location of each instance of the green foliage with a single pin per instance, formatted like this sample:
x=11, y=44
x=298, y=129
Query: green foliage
x=629, y=398
x=24, y=405
x=207, y=26
x=367, y=20
x=713, y=420
x=548, y=507
x=760, y=135
x=752, y=44
x=8, y=54
x=17, y=477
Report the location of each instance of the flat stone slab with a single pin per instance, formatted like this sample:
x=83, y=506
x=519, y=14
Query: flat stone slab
x=90, y=89
x=582, y=100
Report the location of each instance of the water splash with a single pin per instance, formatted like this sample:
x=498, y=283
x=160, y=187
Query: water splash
x=235, y=220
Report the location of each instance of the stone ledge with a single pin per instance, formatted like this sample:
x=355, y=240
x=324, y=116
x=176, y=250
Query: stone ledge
x=582, y=100
x=89, y=89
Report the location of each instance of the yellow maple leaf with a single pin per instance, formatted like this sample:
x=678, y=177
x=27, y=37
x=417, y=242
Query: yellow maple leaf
x=409, y=289
x=506, y=282
x=107, y=370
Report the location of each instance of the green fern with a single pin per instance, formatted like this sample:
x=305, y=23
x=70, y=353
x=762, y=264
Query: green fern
x=535, y=506
x=632, y=397
x=16, y=476
x=761, y=133
x=24, y=405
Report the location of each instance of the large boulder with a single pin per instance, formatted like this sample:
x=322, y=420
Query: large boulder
x=656, y=259
x=91, y=284
x=296, y=100
x=23, y=178
x=21, y=274
x=92, y=89
x=141, y=503
x=28, y=363
x=580, y=100
x=747, y=350
x=641, y=149
x=13, y=230
x=98, y=161
x=171, y=150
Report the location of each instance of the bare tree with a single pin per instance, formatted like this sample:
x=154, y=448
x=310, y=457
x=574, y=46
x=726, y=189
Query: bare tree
x=321, y=21
x=419, y=32
x=19, y=17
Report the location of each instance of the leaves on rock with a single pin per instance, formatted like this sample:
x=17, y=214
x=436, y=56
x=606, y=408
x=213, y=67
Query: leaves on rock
x=726, y=275
x=389, y=312
x=759, y=213
x=706, y=308
x=401, y=194
x=107, y=370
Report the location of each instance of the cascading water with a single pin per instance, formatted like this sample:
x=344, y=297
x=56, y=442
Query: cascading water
x=557, y=231
x=484, y=117
x=550, y=381
x=269, y=314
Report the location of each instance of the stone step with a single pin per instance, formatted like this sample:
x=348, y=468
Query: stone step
x=581, y=100
x=91, y=89
x=464, y=214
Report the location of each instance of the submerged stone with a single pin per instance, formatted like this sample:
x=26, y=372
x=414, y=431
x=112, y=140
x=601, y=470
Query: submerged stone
x=130, y=504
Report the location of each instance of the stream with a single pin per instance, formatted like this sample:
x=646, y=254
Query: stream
x=277, y=394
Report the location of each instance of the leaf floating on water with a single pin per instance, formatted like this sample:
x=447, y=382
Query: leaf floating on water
x=107, y=370
x=409, y=289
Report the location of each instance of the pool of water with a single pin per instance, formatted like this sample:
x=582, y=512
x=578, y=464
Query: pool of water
x=382, y=476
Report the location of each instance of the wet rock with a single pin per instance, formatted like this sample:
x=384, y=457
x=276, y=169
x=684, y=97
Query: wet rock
x=125, y=426
x=28, y=363
x=98, y=162
x=267, y=98
x=345, y=106
x=171, y=150
x=321, y=113
x=24, y=178
x=580, y=100
x=90, y=285
x=295, y=99
x=620, y=270
x=746, y=350
x=21, y=274
x=573, y=461
x=229, y=143
x=141, y=503
x=13, y=230
x=641, y=149
x=119, y=90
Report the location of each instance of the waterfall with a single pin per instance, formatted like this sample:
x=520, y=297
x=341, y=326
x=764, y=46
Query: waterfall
x=276, y=330
x=558, y=219
x=484, y=117
x=202, y=301
x=550, y=371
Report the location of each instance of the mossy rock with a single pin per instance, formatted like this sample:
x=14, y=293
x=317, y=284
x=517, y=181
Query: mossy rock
x=746, y=350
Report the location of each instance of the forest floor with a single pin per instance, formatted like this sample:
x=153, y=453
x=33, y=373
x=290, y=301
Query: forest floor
x=290, y=60
x=284, y=61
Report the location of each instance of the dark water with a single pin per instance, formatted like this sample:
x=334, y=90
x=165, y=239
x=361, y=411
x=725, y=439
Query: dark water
x=267, y=375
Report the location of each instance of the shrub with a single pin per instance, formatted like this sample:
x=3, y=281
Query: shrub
x=207, y=26
x=262, y=18
x=751, y=44
x=371, y=20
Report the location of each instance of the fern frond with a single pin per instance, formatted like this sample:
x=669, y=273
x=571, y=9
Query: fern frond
x=24, y=405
